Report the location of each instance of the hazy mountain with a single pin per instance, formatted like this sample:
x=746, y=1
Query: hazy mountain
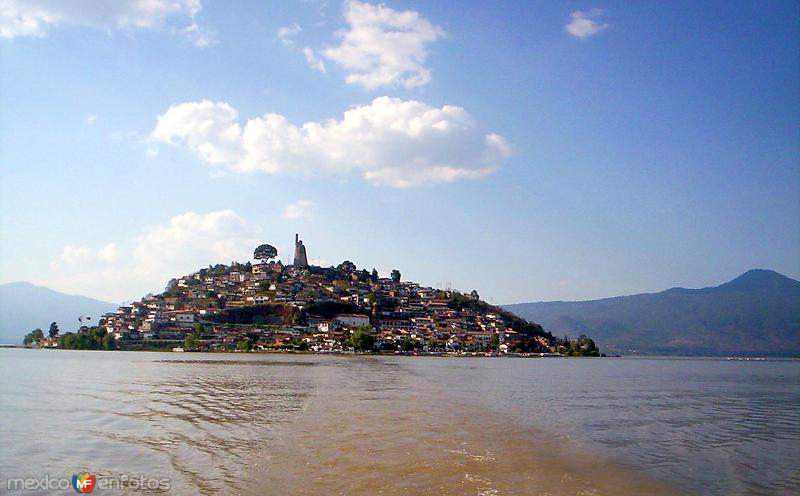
x=24, y=307
x=756, y=313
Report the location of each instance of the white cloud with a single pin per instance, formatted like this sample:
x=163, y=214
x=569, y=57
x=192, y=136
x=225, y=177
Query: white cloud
x=36, y=17
x=186, y=243
x=199, y=36
x=313, y=61
x=384, y=47
x=74, y=255
x=90, y=119
x=300, y=209
x=585, y=23
x=390, y=141
x=285, y=33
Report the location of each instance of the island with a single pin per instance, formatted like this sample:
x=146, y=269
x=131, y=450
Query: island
x=269, y=306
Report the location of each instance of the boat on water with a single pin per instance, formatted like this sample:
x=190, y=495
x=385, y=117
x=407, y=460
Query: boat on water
x=178, y=349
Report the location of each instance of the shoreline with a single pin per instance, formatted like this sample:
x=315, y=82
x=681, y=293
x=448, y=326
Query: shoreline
x=732, y=357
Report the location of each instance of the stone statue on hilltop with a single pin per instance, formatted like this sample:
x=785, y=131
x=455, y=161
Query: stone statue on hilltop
x=300, y=258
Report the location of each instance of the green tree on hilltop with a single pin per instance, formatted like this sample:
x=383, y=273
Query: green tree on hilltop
x=53, y=332
x=395, y=275
x=265, y=252
x=347, y=267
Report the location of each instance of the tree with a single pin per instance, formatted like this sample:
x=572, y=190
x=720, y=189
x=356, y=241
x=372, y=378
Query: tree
x=474, y=294
x=395, y=275
x=109, y=343
x=33, y=337
x=494, y=342
x=243, y=345
x=374, y=275
x=362, y=339
x=53, y=332
x=265, y=252
x=191, y=342
x=68, y=341
x=409, y=344
x=347, y=267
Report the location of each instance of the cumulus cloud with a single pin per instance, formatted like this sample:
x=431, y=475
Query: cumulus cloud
x=300, y=209
x=383, y=46
x=185, y=243
x=90, y=119
x=390, y=141
x=74, y=255
x=36, y=17
x=586, y=23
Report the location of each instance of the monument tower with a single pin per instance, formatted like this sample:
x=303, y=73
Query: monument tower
x=300, y=258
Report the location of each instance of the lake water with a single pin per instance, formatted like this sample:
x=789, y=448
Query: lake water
x=311, y=424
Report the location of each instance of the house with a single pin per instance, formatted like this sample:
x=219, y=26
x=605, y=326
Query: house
x=350, y=319
x=184, y=318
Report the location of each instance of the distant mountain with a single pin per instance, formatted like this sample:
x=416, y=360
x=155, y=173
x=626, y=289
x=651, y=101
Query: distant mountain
x=24, y=307
x=756, y=313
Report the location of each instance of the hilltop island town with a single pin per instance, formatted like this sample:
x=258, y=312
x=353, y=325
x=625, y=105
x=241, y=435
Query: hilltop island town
x=269, y=306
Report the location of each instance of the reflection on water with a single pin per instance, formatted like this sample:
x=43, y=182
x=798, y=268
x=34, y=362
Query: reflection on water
x=306, y=424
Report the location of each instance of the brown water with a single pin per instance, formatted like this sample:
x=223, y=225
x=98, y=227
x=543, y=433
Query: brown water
x=306, y=424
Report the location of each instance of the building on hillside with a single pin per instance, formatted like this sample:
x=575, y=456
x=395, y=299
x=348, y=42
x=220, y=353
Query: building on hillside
x=348, y=319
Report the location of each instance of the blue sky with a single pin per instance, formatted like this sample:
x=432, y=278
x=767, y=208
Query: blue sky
x=562, y=150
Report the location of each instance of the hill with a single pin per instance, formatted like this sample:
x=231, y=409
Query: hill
x=24, y=306
x=755, y=313
x=266, y=306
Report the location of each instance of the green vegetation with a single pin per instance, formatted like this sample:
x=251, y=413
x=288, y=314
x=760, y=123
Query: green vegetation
x=395, y=275
x=362, y=339
x=300, y=345
x=581, y=347
x=265, y=252
x=409, y=344
x=33, y=337
x=347, y=267
x=244, y=345
x=88, y=338
x=53, y=332
x=193, y=340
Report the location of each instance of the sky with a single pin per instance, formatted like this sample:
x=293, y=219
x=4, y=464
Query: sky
x=530, y=151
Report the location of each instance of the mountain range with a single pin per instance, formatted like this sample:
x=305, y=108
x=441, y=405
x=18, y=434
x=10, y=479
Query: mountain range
x=24, y=307
x=755, y=313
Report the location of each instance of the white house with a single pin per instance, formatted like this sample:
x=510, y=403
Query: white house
x=351, y=319
x=184, y=318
